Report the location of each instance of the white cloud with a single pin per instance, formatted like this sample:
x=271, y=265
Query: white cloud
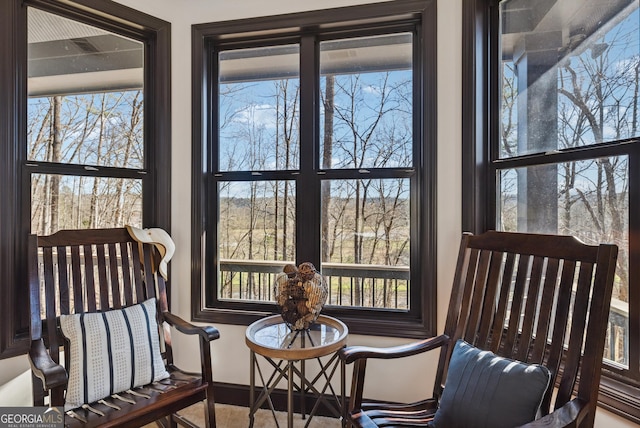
x=258, y=115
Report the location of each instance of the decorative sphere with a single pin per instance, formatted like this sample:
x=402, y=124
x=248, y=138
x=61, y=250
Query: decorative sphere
x=300, y=294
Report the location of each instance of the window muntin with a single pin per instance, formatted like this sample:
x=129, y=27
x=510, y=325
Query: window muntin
x=85, y=111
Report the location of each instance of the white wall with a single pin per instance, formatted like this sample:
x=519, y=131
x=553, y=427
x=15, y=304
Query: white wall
x=231, y=356
x=405, y=380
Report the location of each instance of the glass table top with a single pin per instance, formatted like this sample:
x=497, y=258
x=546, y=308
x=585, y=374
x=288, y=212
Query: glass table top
x=271, y=337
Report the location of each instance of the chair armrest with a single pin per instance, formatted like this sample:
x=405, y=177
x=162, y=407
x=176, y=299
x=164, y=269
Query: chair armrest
x=352, y=353
x=53, y=375
x=208, y=332
x=568, y=415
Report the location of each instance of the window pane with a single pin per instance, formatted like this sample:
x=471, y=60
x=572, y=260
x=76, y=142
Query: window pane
x=256, y=236
x=587, y=199
x=366, y=242
x=571, y=80
x=259, y=96
x=72, y=202
x=103, y=129
x=366, y=109
x=85, y=94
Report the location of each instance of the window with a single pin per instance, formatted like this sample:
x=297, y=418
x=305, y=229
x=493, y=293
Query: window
x=562, y=152
x=318, y=146
x=84, y=144
x=85, y=113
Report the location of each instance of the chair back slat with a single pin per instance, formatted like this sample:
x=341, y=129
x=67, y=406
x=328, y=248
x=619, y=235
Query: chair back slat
x=561, y=316
x=490, y=298
x=63, y=280
x=534, y=298
x=76, y=275
x=515, y=308
x=149, y=282
x=127, y=289
x=503, y=300
x=103, y=286
x=89, y=280
x=115, y=280
x=590, y=368
x=545, y=311
x=578, y=322
x=477, y=297
x=465, y=295
x=138, y=280
x=531, y=308
x=50, y=300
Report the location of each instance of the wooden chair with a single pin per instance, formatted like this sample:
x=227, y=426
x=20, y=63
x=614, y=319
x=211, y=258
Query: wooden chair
x=534, y=298
x=92, y=271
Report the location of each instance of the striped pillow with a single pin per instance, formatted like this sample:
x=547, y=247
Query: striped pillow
x=112, y=352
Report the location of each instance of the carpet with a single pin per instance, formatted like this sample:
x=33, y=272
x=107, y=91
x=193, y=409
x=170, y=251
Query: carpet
x=228, y=416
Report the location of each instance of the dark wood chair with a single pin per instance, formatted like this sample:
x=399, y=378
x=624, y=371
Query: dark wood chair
x=89, y=271
x=534, y=298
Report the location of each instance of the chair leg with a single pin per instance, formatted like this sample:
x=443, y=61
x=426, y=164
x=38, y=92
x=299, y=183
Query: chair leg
x=210, y=411
x=172, y=422
x=209, y=405
x=38, y=391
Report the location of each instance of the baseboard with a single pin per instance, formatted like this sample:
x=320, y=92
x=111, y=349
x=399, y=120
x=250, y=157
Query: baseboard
x=238, y=395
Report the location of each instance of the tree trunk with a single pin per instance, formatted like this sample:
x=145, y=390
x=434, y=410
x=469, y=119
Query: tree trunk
x=56, y=156
x=93, y=220
x=136, y=109
x=326, y=164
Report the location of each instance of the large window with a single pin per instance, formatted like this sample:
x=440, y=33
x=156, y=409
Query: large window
x=316, y=149
x=84, y=144
x=562, y=153
x=85, y=125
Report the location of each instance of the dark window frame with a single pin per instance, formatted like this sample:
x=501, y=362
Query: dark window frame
x=619, y=390
x=14, y=171
x=354, y=20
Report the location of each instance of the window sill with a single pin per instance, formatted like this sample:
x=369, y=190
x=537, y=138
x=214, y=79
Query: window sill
x=358, y=321
x=620, y=398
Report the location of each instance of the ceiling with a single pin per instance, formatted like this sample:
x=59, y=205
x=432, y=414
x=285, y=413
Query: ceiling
x=560, y=24
x=97, y=59
x=100, y=60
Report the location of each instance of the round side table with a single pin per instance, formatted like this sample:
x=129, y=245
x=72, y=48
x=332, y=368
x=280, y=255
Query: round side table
x=282, y=347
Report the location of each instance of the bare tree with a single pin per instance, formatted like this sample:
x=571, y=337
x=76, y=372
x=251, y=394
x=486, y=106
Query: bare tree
x=327, y=148
x=592, y=86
